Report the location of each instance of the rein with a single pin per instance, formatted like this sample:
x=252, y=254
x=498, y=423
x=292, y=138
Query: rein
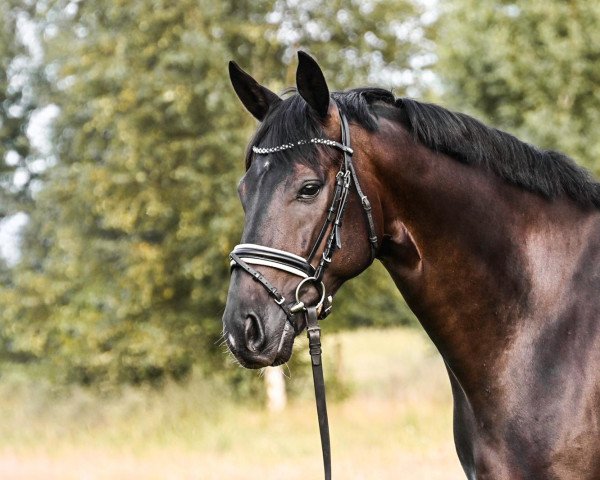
x=247, y=254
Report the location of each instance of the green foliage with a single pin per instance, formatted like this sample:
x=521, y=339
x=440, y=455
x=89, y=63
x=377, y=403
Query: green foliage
x=357, y=43
x=139, y=214
x=16, y=105
x=529, y=67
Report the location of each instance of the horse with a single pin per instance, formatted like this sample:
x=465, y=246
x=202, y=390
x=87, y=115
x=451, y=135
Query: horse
x=493, y=243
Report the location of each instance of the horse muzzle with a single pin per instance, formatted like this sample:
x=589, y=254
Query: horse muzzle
x=256, y=342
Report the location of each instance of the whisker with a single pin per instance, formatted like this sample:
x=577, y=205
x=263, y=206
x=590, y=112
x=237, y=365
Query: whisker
x=231, y=358
x=225, y=349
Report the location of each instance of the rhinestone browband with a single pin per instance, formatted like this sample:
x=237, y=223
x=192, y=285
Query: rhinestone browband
x=287, y=146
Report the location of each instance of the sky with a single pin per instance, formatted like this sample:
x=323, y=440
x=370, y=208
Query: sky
x=9, y=237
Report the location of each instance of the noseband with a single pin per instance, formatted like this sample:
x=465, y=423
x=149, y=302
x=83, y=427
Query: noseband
x=247, y=254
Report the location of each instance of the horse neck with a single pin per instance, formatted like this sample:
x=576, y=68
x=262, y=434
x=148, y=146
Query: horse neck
x=470, y=252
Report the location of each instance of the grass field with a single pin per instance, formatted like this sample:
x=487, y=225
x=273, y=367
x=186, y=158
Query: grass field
x=396, y=424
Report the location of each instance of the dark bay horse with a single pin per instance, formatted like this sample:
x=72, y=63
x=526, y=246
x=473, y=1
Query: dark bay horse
x=494, y=244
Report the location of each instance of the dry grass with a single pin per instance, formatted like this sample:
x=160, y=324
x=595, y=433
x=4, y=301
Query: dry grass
x=397, y=424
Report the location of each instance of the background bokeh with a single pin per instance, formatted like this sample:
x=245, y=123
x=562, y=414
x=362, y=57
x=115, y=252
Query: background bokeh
x=121, y=144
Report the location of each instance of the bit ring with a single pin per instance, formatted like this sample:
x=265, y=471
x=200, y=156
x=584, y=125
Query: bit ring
x=318, y=285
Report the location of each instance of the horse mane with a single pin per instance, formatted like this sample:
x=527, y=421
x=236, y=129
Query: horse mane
x=467, y=140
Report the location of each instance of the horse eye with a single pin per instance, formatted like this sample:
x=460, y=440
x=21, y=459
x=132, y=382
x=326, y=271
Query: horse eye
x=310, y=190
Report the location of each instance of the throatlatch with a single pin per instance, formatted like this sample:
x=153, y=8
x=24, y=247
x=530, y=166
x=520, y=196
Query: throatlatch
x=247, y=254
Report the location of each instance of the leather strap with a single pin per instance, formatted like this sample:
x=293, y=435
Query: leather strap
x=260, y=278
x=366, y=205
x=333, y=208
x=272, y=255
x=313, y=331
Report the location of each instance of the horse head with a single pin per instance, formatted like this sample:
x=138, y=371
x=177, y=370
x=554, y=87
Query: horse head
x=299, y=187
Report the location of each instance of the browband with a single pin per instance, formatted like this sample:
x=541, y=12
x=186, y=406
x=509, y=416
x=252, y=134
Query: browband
x=287, y=146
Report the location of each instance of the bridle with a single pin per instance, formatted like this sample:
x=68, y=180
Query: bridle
x=247, y=254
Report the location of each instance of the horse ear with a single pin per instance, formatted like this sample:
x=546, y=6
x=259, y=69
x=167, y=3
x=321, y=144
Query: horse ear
x=256, y=98
x=311, y=84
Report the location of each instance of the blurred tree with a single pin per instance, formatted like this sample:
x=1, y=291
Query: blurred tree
x=528, y=67
x=19, y=167
x=124, y=273
x=137, y=215
x=16, y=105
x=359, y=43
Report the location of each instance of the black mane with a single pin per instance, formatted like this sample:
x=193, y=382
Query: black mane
x=290, y=121
x=545, y=172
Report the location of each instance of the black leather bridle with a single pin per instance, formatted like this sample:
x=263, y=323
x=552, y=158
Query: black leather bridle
x=245, y=255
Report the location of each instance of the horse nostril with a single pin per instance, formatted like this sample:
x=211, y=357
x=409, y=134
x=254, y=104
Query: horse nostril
x=255, y=334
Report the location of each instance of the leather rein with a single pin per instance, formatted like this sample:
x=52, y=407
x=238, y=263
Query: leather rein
x=246, y=255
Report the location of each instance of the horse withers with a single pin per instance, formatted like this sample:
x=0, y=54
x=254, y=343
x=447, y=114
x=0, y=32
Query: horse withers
x=494, y=244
